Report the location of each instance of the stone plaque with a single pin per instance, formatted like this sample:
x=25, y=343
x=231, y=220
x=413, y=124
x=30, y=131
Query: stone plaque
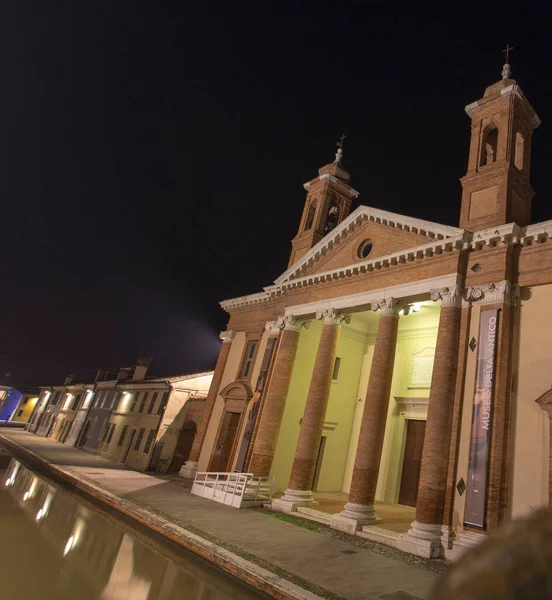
x=422, y=368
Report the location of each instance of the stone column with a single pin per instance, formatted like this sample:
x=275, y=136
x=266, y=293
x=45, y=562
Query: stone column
x=276, y=395
x=189, y=470
x=359, y=510
x=299, y=492
x=424, y=536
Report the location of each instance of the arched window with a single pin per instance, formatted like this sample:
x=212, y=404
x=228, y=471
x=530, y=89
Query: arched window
x=489, y=147
x=310, y=216
x=332, y=218
x=519, y=150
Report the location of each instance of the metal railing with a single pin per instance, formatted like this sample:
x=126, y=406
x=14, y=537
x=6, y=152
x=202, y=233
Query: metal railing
x=240, y=490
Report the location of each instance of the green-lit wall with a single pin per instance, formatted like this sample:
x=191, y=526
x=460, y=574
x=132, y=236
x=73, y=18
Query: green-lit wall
x=347, y=398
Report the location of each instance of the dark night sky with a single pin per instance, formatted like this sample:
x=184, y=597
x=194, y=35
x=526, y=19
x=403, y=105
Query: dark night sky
x=153, y=153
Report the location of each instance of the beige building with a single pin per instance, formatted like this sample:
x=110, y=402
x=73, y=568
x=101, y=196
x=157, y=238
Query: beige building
x=154, y=422
x=395, y=379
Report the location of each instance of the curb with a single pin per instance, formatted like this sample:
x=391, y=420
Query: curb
x=254, y=575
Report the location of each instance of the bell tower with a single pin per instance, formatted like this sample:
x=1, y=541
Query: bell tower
x=496, y=188
x=328, y=202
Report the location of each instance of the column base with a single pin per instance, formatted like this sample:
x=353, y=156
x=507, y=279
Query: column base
x=353, y=517
x=291, y=499
x=188, y=470
x=422, y=540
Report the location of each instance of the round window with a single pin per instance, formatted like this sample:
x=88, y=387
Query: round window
x=365, y=248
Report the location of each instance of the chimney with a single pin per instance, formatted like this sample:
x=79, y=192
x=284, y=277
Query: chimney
x=141, y=368
x=124, y=373
x=69, y=379
x=101, y=374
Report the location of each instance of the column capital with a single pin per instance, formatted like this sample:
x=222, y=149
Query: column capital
x=501, y=292
x=449, y=296
x=291, y=323
x=333, y=317
x=227, y=336
x=272, y=327
x=389, y=307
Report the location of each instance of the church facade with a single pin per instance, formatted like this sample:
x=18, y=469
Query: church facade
x=399, y=362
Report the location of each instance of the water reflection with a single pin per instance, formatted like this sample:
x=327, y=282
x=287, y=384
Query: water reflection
x=55, y=546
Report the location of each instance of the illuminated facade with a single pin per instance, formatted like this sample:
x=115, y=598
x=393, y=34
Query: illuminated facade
x=142, y=423
x=399, y=367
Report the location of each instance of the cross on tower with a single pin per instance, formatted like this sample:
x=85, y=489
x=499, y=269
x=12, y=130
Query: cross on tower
x=506, y=52
x=341, y=140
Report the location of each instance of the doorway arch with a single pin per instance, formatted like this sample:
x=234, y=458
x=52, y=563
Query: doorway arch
x=84, y=434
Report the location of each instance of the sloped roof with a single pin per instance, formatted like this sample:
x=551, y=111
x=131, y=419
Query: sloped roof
x=363, y=213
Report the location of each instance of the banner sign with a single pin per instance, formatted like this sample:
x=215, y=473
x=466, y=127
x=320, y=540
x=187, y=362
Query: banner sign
x=255, y=404
x=476, y=493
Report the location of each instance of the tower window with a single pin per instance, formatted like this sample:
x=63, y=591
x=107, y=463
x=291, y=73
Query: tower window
x=489, y=147
x=518, y=152
x=310, y=216
x=332, y=218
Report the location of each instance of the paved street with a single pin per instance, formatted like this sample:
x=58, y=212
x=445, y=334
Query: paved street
x=348, y=570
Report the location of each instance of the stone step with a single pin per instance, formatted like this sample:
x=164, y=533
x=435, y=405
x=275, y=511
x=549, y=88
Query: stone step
x=378, y=534
x=314, y=515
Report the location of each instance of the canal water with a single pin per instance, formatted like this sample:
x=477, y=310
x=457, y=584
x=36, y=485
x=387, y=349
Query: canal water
x=55, y=545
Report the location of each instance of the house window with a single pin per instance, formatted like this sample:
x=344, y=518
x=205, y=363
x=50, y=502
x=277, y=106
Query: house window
x=76, y=402
x=149, y=441
x=139, y=438
x=110, y=434
x=143, y=403
x=24, y=402
x=248, y=358
x=337, y=366
x=103, y=433
x=20, y=413
x=122, y=436
x=134, y=402
x=163, y=403
x=116, y=400
x=152, y=403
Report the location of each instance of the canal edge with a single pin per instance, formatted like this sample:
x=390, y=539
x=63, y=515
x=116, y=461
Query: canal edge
x=249, y=572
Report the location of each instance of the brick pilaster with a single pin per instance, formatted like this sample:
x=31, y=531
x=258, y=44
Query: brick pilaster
x=360, y=506
x=275, y=401
x=190, y=468
x=300, y=482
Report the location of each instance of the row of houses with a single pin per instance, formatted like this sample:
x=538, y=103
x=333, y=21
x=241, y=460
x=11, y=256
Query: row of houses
x=144, y=423
x=16, y=403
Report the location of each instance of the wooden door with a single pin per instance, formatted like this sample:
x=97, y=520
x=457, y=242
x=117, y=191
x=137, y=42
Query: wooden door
x=225, y=442
x=415, y=432
x=183, y=446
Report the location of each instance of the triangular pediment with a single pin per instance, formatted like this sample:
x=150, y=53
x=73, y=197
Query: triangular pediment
x=388, y=232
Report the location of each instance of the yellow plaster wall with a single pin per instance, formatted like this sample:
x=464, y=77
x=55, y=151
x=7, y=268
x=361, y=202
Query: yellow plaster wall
x=341, y=410
x=416, y=332
x=26, y=408
x=230, y=374
x=530, y=465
